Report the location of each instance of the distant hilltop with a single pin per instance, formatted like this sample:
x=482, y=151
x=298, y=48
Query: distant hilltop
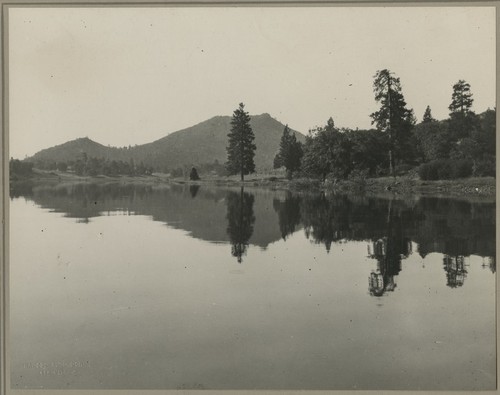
x=199, y=144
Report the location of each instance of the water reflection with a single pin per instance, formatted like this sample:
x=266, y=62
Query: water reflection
x=490, y=262
x=454, y=268
x=288, y=214
x=454, y=228
x=388, y=251
x=84, y=290
x=193, y=189
x=240, y=221
x=323, y=222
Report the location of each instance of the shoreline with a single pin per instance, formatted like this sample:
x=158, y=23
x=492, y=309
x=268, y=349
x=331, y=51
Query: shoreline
x=383, y=186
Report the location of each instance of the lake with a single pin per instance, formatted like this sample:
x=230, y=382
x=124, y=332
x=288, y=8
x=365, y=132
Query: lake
x=191, y=287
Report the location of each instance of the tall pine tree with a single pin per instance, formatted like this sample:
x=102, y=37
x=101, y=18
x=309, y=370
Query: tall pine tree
x=461, y=99
x=463, y=120
x=290, y=152
x=393, y=116
x=241, y=148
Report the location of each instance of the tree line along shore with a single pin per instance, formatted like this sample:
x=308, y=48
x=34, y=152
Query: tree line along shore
x=399, y=154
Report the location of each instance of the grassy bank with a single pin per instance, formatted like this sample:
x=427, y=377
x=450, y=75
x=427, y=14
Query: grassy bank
x=481, y=186
x=485, y=186
x=55, y=176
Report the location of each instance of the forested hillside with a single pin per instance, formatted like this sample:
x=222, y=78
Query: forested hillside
x=202, y=145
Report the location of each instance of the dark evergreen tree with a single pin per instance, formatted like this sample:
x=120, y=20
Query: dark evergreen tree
x=427, y=115
x=393, y=116
x=241, y=148
x=279, y=159
x=461, y=99
x=193, y=176
x=290, y=152
x=463, y=121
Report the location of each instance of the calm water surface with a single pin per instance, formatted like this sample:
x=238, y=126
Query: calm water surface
x=183, y=287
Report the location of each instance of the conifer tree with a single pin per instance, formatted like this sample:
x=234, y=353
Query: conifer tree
x=290, y=152
x=463, y=121
x=427, y=115
x=393, y=116
x=193, y=176
x=461, y=99
x=241, y=148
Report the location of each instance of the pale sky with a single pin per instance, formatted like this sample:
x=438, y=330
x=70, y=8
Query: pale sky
x=125, y=76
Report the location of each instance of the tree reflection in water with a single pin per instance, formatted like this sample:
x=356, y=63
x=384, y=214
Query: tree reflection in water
x=193, y=190
x=388, y=251
x=490, y=262
x=289, y=217
x=454, y=267
x=327, y=219
x=240, y=221
x=455, y=228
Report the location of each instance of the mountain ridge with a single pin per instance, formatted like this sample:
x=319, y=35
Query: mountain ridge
x=202, y=143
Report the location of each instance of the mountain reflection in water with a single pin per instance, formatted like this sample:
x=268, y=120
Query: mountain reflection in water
x=182, y=286
x=241, y=218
